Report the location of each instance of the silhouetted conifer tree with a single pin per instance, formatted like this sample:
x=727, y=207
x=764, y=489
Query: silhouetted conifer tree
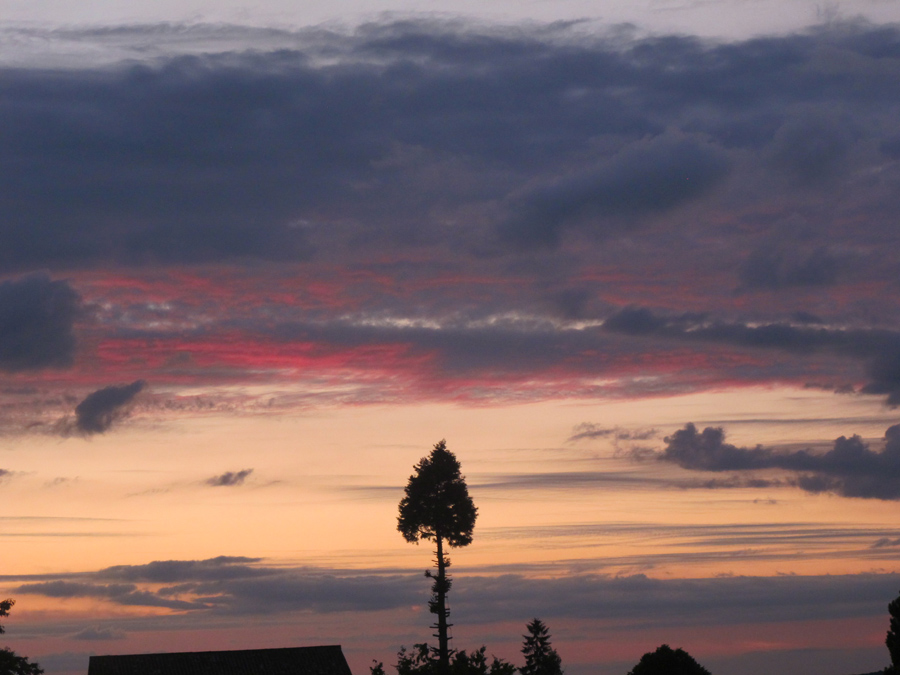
x=437, y=507
x=668, y=661
x=540, y=657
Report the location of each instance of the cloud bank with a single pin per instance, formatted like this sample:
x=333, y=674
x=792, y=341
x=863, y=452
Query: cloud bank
x=238, y=589
x=849, y=469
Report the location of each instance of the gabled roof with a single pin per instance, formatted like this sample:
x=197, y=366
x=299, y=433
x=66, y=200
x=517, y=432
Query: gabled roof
x=327, y=660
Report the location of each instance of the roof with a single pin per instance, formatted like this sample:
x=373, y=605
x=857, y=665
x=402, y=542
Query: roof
x=328, y=660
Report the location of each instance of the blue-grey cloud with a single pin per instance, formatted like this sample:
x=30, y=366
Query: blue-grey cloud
x=811, y=149
x=850, y=468
x=173, y=571
x=771, y=270
x=589, y=430
x=635, y=600
x=229, y=478
x=388, y=133
x=37, y=319
x=645, y=178
x=879, y=349
x=100, y=409
x=122, y=594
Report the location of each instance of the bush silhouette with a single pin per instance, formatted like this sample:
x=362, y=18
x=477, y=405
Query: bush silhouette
x=668, y=661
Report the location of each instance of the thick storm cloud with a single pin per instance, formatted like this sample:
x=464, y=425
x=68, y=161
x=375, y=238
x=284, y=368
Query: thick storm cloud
x=100, y=409
x=485, y=139
x=849, y=469
x=37, y=317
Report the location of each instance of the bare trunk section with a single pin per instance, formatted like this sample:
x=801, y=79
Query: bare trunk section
x=438, y=606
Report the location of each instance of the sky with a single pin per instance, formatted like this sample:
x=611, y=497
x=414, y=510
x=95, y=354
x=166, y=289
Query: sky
x=638, y=263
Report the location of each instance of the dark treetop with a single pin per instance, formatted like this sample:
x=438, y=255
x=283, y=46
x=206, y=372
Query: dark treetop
x=437, y=502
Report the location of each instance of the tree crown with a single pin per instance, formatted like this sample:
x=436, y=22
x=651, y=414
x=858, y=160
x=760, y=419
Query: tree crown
x=437, y=502
x=540, y=657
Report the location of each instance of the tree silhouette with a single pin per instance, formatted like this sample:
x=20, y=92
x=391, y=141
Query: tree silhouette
x=421, y=661
x=10, y=662
x=540, y=657
x=437, y=507
x=893, y=636
x=666, y=661
x=5, y=606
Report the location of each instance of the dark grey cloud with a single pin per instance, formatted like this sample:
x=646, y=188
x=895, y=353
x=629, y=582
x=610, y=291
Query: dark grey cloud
x=879, y=349
x=633, y=600
x=100, y=409
x=225, y=584
x=589, y=430
x=849, y=469
x=122, y=594
x=392, y=132
x=172, y=571
x=643, y=601
x=229, y=478
x=319, y=592
x=811, y=149
x=770, y=270
x=645, y=178
x=37, y=318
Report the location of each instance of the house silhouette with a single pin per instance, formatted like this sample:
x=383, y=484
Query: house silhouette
x=327, y=660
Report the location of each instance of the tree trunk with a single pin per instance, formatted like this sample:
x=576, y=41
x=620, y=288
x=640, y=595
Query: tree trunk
x=440, y=608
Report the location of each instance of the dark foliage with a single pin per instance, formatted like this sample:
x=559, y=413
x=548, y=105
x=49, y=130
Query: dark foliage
x=668, y=661
x=13, y=664
x=421, y=661
x=540, y=657
x=893, y=636
x=437, y=504
x=5, y=606
x=10, y=662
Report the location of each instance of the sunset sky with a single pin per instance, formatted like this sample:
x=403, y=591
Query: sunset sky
x=637, y=262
